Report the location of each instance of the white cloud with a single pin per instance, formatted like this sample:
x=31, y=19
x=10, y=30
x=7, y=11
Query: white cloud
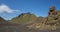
x=5, y=8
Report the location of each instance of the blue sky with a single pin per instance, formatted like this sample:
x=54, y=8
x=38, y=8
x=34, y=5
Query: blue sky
x=12, y=8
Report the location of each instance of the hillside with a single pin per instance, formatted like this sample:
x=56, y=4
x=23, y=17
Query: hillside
x=24, y=18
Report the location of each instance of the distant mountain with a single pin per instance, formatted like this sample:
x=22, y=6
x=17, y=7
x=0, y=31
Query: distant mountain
x=24, y=18
x=5, y=22
x=1, y=19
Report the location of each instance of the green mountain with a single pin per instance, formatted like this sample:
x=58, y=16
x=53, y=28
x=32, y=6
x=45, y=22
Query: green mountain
x=24, y=18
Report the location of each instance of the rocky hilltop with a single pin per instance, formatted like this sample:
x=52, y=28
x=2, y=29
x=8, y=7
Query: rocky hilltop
x=54, y=16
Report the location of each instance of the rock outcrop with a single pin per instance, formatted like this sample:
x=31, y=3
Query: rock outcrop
x=53, y=16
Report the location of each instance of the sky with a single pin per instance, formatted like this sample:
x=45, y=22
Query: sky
x=12, y=8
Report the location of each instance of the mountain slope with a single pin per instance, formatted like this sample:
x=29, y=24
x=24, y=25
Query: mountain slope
x=24, y=18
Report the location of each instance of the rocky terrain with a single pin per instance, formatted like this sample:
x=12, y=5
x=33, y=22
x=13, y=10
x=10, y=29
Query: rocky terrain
x=28, y=22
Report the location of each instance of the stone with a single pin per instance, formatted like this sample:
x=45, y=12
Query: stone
x=53, y=16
